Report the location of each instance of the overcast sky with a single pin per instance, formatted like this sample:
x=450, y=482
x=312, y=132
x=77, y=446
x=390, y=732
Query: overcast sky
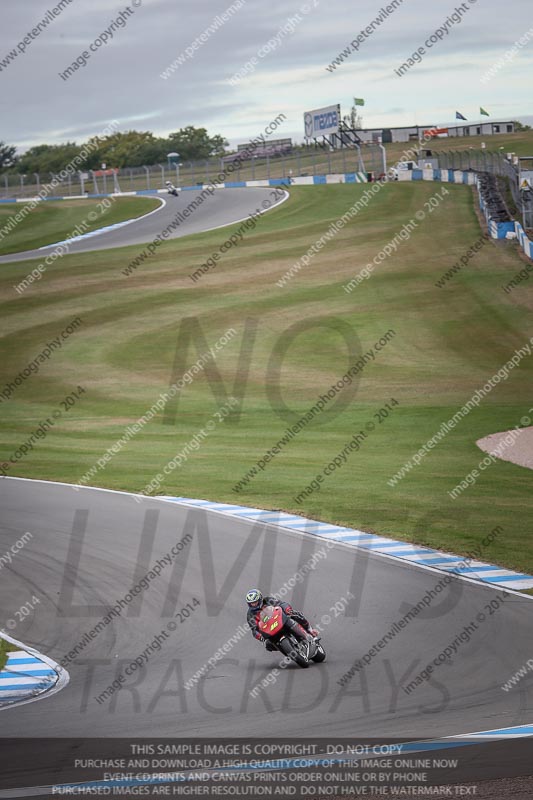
x=122, y=80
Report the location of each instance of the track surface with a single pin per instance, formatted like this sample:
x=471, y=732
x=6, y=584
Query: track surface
x=223, y=207
x=224, y=559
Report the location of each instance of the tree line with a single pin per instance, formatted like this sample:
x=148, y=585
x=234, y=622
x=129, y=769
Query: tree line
x=129, y=149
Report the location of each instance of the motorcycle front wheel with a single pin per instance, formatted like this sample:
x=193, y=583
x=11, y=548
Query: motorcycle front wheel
x=289, y=649
x=320, y=655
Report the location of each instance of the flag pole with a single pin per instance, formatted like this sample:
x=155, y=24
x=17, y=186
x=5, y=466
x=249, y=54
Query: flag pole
x=418, y=132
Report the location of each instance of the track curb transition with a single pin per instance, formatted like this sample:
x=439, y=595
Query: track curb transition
x=28, y=675
x=303, y=526
x=466, y=567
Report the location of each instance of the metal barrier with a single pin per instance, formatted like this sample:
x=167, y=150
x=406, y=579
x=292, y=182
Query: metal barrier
x=306, y=162
x=302, y=162
x=496, y=164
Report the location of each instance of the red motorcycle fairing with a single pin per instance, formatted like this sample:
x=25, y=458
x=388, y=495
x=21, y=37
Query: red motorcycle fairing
x=272, y=621
x=289, y=636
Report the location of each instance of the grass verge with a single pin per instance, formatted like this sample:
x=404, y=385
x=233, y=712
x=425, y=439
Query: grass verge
x=448, y=342
x=50, y=222
x=5, y=648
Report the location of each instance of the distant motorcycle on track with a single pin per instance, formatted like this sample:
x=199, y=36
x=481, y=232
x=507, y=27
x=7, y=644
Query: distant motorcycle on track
x=289, y=637
x=171, y=189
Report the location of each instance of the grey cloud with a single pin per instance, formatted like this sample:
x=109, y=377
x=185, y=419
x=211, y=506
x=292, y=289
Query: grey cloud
x=122, y=80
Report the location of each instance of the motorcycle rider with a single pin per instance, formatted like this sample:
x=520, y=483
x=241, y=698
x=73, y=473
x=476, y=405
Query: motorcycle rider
x=256, y=602
x=171, y=189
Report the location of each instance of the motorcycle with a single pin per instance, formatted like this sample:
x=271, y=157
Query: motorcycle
x=173, y=190
x=289, y=637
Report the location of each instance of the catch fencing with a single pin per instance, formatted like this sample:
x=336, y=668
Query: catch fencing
x=303, y=162
x=496, y=164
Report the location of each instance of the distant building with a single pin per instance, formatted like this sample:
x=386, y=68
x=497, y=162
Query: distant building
x=274, y=147
x=409, y=133
x=483, y=129
x=413, y=133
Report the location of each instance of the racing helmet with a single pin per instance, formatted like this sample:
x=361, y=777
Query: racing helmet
x=168, y=183
x=254, y=598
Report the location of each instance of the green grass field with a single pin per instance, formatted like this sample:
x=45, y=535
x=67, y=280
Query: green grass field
x=448, y=342
x=520, y=143
x=51, y=222
x=5, y=648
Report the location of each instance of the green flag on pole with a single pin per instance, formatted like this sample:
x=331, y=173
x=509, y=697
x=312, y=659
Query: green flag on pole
x=358, y=101
x=484, y=113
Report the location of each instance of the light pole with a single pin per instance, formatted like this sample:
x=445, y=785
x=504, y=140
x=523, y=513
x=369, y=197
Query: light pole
x=173, y=161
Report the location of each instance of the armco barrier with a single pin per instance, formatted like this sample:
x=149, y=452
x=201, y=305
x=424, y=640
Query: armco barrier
x=525, y=243
x=307, y=180
x=498, y=228
x=444, y=175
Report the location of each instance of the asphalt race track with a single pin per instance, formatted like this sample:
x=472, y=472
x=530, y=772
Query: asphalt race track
x=89, y=547
x=223, y=207
x=87, y=551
